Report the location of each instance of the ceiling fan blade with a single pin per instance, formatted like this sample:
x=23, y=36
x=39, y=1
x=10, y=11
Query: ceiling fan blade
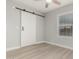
x=56, y=2
x=46, y=5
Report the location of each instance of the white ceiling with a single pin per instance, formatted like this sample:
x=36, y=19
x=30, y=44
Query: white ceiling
x=40, y=5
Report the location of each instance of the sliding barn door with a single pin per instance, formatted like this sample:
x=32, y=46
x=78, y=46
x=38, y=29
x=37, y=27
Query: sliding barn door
x=28, y=28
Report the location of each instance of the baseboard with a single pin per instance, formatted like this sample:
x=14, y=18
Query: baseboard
x=32, y=43
x=9, y=49
x=38, y=42
x=59, y=45
x=13, y=48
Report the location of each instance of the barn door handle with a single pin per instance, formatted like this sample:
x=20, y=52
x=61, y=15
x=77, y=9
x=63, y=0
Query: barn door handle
x=22, y=28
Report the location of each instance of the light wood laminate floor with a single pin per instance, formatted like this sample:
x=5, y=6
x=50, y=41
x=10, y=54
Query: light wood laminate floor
x=40, y=51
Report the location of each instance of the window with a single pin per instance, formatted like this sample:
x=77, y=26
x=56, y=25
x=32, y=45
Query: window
x=65, y=27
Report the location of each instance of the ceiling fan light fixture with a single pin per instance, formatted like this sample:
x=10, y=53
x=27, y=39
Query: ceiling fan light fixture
x=48, y=1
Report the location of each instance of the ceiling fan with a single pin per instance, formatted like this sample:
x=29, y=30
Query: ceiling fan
x=50, y=1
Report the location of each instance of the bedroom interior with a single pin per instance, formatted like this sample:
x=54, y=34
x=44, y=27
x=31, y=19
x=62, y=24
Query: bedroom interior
x=39, y=29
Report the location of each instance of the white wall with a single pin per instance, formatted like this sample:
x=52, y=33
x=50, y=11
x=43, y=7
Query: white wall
x=39, y=28
x=51, y=27
x=13, y=21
